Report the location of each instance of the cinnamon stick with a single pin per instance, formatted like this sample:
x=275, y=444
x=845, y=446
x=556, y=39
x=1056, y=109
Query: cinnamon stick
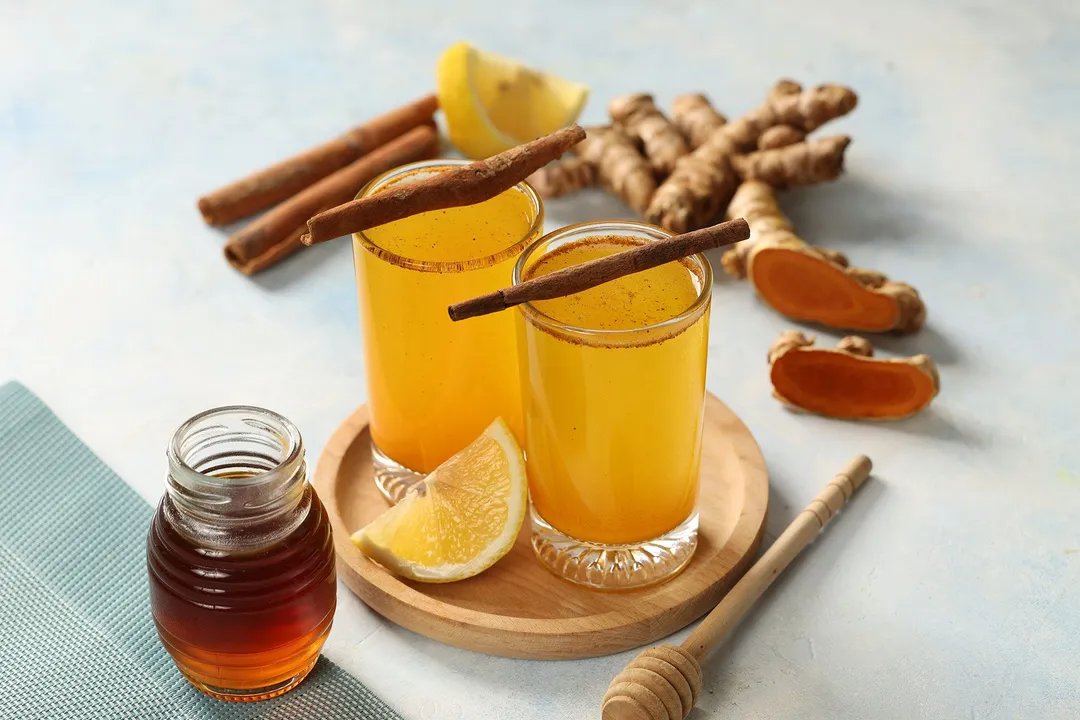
x=465, y=185
x=276, y=234
x=597, y=272
x=271, y=185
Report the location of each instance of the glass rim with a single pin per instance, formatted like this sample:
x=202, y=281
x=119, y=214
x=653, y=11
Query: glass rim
x=443, y=266
x=612, y=227
x=288, y=430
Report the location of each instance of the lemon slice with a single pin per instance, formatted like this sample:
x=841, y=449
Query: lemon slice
x=461, y=520
x=493, y=103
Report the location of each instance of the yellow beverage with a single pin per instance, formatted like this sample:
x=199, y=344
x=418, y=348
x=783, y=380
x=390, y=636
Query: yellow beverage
x=434, y=385
x=614, y=390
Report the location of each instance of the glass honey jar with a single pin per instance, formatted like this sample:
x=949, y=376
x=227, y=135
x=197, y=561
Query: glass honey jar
x=240, y=556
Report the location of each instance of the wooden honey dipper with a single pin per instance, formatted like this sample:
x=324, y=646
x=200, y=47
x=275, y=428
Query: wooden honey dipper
x=664, y=682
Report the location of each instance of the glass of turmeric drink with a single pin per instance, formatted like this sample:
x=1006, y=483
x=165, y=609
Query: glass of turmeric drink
x=434, y=385
x=613, y=394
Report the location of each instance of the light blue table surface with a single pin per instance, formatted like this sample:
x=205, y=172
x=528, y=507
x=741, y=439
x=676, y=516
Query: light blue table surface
x=951, y=586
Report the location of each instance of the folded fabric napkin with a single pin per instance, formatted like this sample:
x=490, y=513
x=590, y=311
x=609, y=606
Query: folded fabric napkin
x=76, y=636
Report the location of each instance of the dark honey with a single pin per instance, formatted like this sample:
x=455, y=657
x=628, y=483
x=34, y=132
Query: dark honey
x=241, y=566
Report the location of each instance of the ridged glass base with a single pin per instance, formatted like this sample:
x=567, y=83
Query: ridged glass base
x=253, y=694
x=392, y=478
x=614, y=567
x=248, y=677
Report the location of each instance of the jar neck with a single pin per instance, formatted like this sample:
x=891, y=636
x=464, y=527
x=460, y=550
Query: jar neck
x=236, y=477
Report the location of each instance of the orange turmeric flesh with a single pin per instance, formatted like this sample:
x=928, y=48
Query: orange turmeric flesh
x=842, y=385
x=806, y=287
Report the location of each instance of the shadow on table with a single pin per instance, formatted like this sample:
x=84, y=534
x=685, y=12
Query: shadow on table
x=293, y=268
x=305, y=262
x=782, y=510
x=932, y=423
x=927, y=340
x=812, y=569
x=852, y=209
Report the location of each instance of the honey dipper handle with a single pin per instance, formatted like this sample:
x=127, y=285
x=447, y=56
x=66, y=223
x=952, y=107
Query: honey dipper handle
x=791, y=542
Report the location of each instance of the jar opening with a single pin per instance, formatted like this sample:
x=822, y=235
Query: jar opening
x=235, y=445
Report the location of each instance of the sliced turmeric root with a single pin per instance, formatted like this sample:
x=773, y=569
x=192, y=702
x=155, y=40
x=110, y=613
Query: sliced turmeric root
x=805, y=283
x=847, y=381
x=809, y=283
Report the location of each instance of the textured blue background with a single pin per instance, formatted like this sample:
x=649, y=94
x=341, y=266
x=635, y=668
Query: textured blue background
x=950, y=589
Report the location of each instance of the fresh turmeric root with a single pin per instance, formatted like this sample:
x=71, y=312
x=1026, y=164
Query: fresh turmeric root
x=755, y=201
x=703, y=181
x=847, y=381
x=696, y=118
x=607, y=156
x=564, y=177
x=784, y=86
x=788, y=104
x=780, y=136
x=808, y=284
x=804, y=163
x=813, y=284
x=661, y=141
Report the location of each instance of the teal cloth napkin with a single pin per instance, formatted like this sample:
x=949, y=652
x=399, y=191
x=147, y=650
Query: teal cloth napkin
x=76, y=636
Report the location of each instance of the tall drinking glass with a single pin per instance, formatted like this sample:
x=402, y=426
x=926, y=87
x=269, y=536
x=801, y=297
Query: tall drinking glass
x=434, y=385
x=614, y=393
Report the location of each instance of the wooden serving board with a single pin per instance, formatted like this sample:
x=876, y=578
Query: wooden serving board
x=519, y=609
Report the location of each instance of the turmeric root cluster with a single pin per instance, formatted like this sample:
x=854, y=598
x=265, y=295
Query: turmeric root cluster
x=692, y=168
x=697, y=158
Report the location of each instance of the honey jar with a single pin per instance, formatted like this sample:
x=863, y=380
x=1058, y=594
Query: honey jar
x=240, y=556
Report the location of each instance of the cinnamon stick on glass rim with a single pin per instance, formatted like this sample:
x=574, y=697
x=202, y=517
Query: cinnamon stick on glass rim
x=597, y=272
x=282, y=180
x=465, y=185
x=275, y=235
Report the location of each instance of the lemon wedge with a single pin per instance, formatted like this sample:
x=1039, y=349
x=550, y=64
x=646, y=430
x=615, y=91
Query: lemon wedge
x=493, y=103
x=462, y=518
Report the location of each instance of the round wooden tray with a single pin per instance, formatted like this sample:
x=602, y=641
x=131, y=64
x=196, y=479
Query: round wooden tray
x=517, y=608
